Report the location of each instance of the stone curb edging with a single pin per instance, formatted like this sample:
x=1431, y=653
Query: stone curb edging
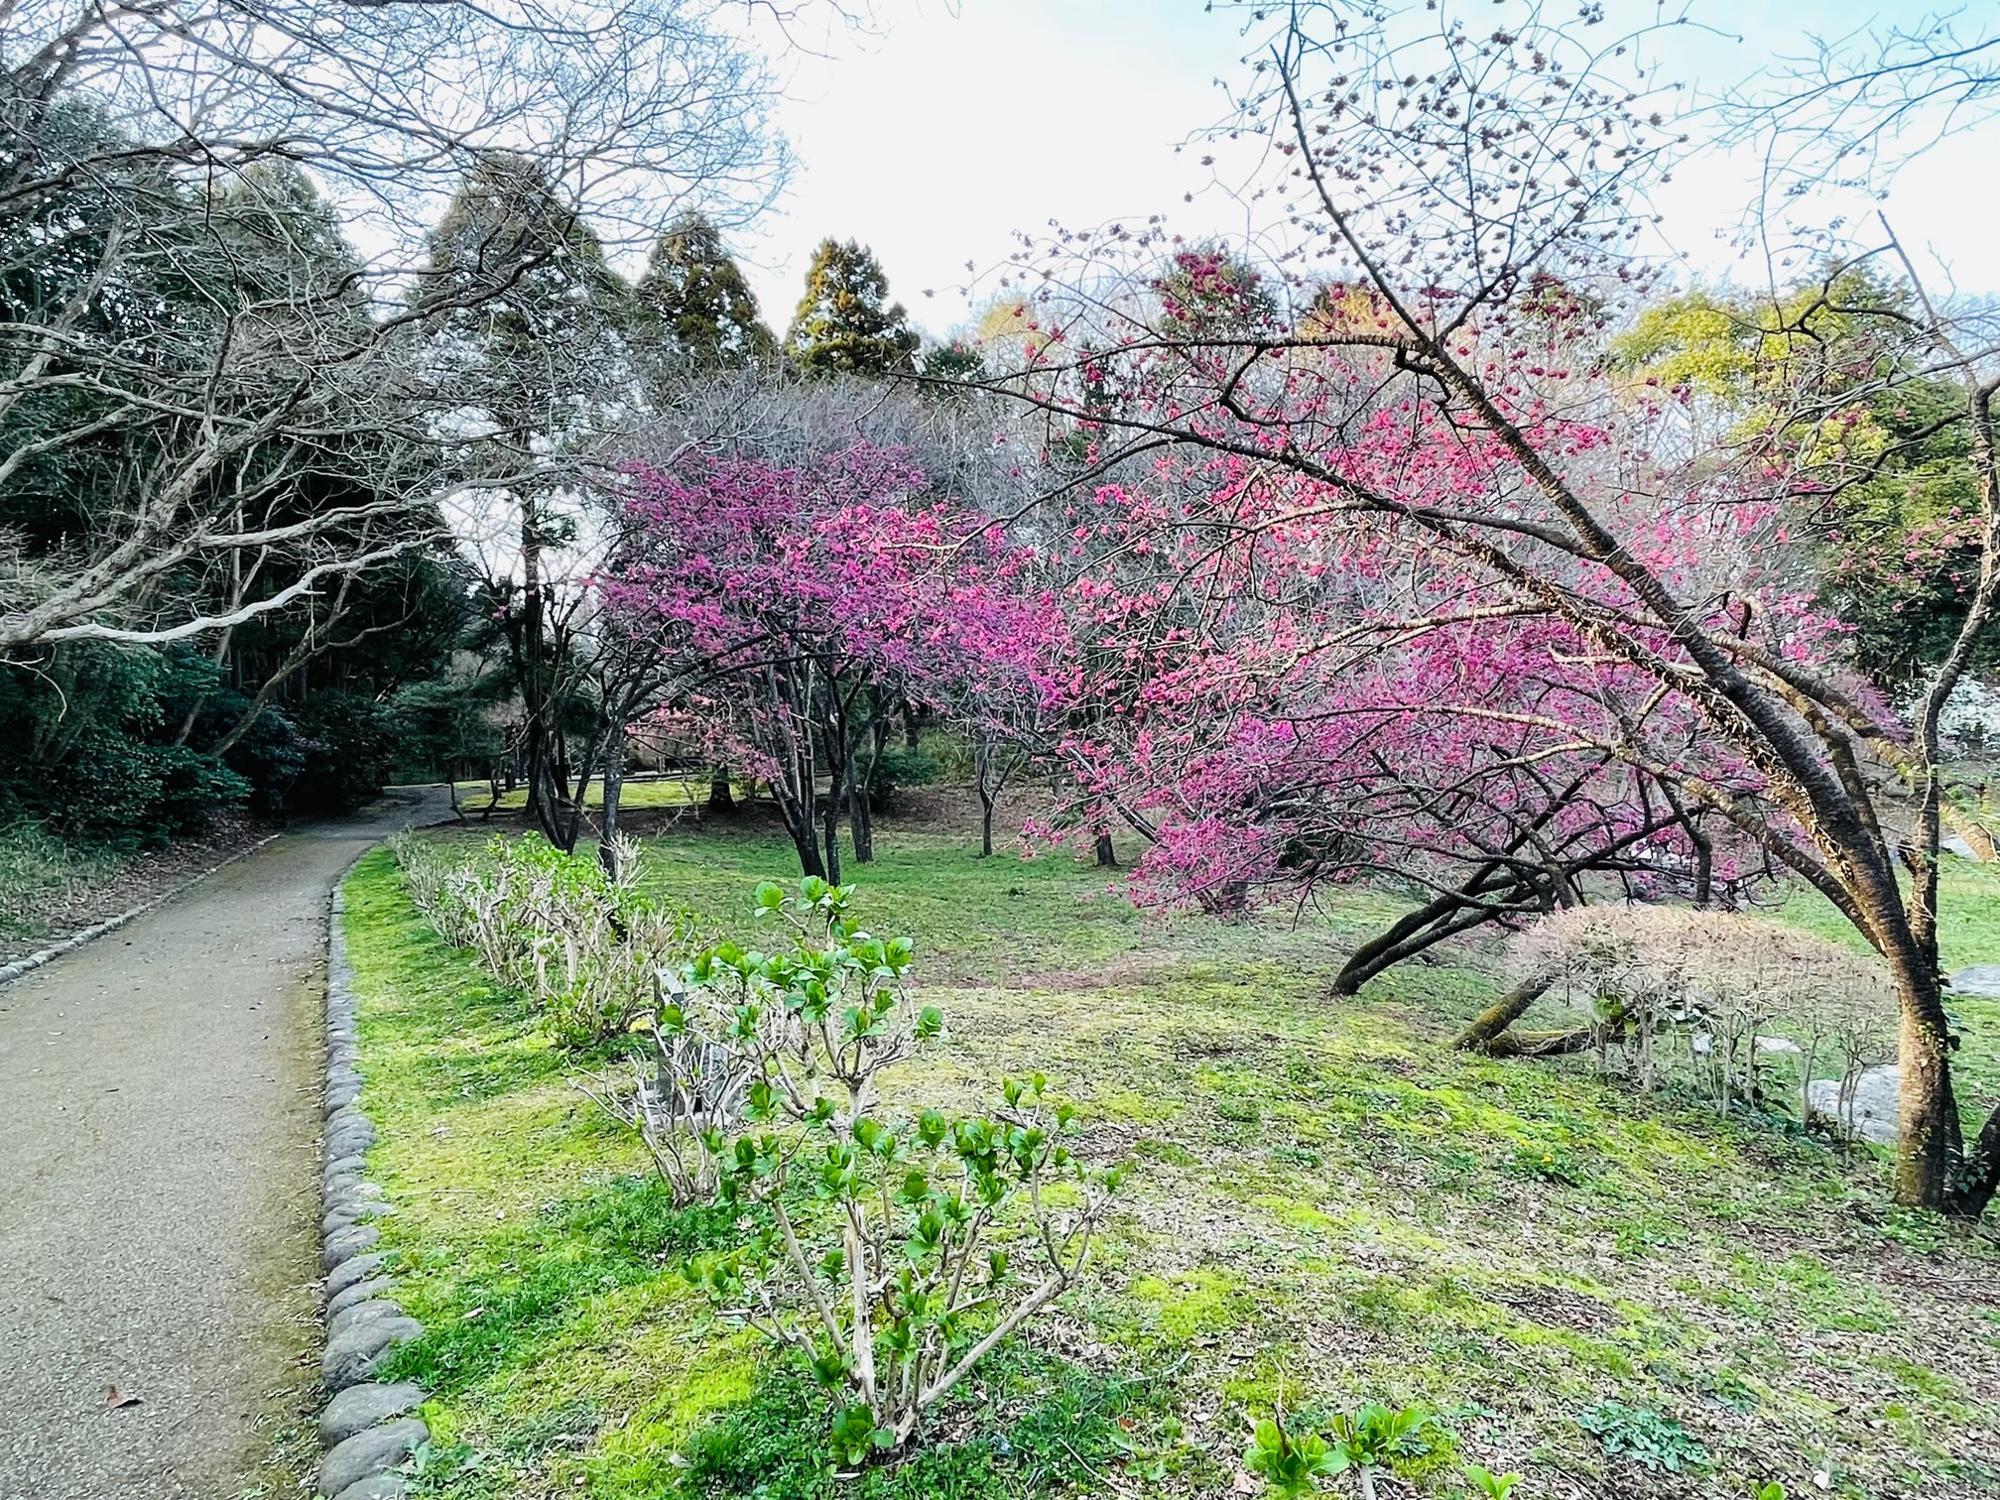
x=9, y=972
x=367, y=1427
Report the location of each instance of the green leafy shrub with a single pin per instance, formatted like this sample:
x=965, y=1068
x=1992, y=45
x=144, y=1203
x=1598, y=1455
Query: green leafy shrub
x=1367, y=1442
x=881, y=1251
x=1291, y=1463
x=898, y=767
x=1643, y=1435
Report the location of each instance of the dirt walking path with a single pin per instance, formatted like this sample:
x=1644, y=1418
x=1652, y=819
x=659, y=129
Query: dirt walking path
x=159, y=1205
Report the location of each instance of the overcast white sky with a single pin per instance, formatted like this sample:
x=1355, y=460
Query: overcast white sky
x=962, y=121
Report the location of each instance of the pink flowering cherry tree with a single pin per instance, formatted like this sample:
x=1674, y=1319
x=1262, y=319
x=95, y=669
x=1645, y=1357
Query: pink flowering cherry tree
x=810, y=600
x=1457, y=207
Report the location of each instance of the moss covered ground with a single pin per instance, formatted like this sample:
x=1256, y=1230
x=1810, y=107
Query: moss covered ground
x=1613, y=1294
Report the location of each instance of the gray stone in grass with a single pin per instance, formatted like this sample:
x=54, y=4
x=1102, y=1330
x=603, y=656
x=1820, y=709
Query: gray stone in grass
x=1955, y=844
x=339, y=1096
x=351, y=1143
x=362, y=1199
x=352, y=1211
x=348, y=1117
x=349, y=1139
x=355, y=1353
x=345, y=1244
x=358, y=1314
x=354, y=1459
x=1871, y=1113
x=348, y=1272
x=360, y=1407
x=384, y=1486
x=343, y=1165
x=1982, y=980
x=360, y=1291
x=350, y=1191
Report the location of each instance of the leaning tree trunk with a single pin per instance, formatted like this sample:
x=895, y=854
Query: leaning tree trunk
x=1932, y=1144
x=1474, y=901
x=1491, y=1023
x=1405, y=939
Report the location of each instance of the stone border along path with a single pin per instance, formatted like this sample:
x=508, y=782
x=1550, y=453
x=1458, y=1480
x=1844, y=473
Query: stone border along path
x=33, y=961
x=367, y=1428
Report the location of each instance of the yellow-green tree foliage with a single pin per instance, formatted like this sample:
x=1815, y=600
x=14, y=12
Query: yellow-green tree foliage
x=846, y=323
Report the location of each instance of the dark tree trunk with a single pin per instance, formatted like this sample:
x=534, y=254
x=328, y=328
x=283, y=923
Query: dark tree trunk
x=607, y=832
x=830, y=842
x=801, y=821
x=1932, y=1145
x=860, y=795
x=1542, y=1043
x=720, y=798
x=1107, y=857
x=534, y=696
x=985, y=823
x=1445, y=915
x=1981, y=1173
x=861, y=821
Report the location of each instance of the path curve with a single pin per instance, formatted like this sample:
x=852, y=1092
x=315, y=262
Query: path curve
x=159, y=1204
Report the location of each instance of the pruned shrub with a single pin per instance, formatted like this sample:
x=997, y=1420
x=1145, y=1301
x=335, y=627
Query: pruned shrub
x=584, y=948
x=1715, y=993
x=881, y=1244
x=688, y=1088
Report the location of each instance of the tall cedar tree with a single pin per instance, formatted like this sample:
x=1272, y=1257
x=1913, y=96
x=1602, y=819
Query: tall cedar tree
x=845, y=322
x=693, y=294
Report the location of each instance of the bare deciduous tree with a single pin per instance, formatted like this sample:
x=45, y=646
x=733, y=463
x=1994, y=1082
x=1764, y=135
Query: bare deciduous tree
x=178, y=301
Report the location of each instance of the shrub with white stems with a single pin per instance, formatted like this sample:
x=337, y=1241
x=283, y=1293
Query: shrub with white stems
x=584, y=947
x=1669, y=987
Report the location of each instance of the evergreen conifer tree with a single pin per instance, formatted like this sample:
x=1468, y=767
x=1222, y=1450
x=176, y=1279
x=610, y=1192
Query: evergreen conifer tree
x=694, y=296
x=845, y=322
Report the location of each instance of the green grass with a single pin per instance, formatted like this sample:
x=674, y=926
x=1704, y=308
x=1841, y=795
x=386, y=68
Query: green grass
x=1329, y=1206
x=473, y=796
x=38, y=869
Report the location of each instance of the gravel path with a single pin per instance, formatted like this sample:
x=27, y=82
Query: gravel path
x=159, y=1198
